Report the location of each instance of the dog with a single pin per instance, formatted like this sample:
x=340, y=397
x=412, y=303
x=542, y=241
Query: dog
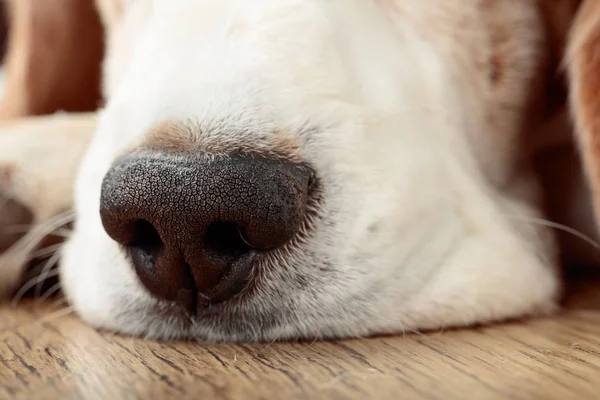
x=300, y=169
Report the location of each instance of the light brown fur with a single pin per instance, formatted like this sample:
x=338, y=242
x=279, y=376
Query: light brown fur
x=584, y=75
x=54, y=53
x=188, y=137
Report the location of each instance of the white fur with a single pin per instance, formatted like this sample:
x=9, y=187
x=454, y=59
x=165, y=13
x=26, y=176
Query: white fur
x=416, y=229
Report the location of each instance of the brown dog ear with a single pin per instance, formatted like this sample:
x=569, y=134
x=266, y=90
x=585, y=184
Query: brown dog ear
x=54, y=56
x=583, y=66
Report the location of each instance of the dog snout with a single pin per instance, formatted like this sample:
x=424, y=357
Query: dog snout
x=193, y=226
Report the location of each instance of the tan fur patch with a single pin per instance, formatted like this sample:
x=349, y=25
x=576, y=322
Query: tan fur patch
x=584, y=74
x=189, y=138
x=171, y=137
x=286, y=143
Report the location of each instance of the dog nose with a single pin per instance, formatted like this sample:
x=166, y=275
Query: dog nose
x=193, y=226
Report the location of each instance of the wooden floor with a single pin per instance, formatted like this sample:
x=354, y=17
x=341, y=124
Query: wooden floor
x=47, y=356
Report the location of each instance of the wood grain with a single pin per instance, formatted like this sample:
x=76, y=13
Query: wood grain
x=45, y=355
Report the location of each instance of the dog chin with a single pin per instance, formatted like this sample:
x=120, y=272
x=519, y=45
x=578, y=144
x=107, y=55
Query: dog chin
x=105, y=292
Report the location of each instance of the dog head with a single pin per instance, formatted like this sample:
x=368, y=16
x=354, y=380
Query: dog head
x=288, y=169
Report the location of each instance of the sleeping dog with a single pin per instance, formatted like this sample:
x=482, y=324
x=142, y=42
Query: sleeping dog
x=283, y=169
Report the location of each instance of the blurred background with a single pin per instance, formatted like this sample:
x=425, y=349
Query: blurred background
x=51, y=52
x=3, y=42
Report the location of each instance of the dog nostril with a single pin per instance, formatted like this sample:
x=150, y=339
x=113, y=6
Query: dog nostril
x=145, y=241
x=225, y=239
x=145, y=236
x=193, y=227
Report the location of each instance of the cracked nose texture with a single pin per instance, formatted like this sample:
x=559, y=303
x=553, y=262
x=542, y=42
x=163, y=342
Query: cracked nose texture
x=192, y=226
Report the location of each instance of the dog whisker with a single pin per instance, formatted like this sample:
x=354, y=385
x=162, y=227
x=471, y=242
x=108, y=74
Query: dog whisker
x=60, y=301
x=62, y=232
x=543, y=222
x=30, y=284
x=43, y=252
x=52, y=290
x=269, y=344
x=56, y=315
x=52, y=261
x=19, y=229
x=39, y=232
x=24, y=251
x=306, y=346
x=558, y=226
